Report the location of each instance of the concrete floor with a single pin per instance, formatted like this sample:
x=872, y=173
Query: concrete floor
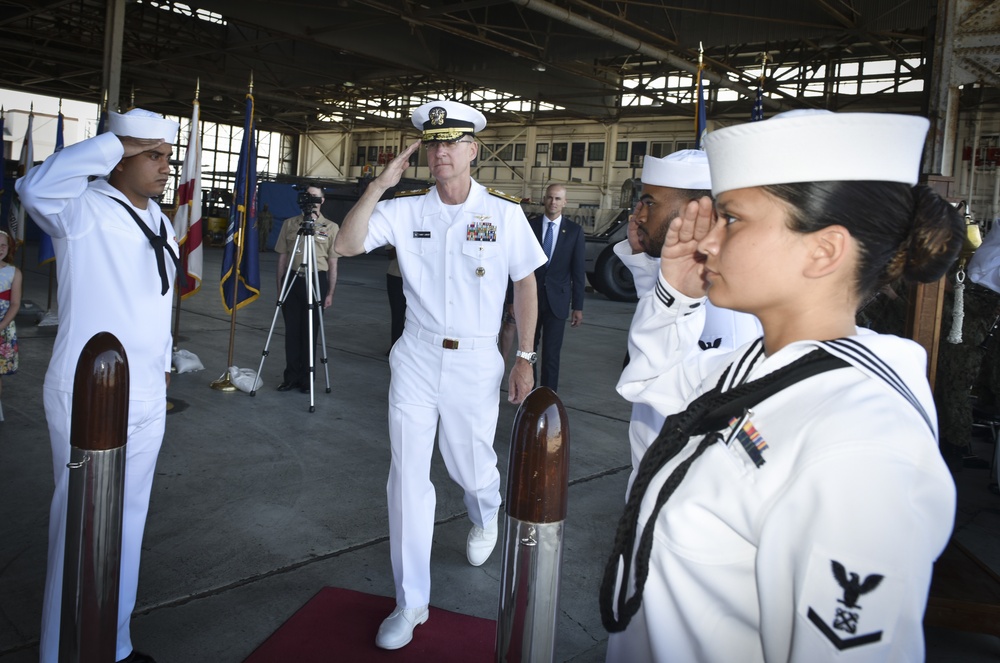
x=258, y=503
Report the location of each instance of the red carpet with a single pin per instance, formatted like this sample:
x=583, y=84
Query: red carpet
x=339, y=625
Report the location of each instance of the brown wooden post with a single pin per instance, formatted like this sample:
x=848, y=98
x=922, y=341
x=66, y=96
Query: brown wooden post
x=89, y=617
x=537, y=491
x=923, y=320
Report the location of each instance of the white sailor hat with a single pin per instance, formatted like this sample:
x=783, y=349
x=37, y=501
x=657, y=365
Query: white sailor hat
x=684, y=169
x=817, y=146
x=447, y=120
x=139, y=123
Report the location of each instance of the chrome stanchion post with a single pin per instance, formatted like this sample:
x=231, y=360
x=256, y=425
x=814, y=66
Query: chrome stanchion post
x=88, y=628
x=537, y=487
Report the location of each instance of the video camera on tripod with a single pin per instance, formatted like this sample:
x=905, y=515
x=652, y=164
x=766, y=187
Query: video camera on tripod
x=307, y=203
x=303, y=266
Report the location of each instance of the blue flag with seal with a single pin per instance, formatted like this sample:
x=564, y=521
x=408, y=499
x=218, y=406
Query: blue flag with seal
x=46, y=253
x=757, y=112
x=240, y=283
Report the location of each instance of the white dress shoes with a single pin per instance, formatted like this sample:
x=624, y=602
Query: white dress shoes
x=481, y=542
x=397, y=629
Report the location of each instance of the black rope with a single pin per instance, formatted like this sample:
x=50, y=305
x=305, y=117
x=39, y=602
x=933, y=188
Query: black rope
x=706, y=415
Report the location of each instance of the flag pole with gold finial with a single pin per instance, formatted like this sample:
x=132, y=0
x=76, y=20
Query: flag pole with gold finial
x=238, y=231
x=699, y=114
x=177, y=279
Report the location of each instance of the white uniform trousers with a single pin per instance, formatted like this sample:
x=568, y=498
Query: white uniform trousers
x=456, y=392
x=145, y=435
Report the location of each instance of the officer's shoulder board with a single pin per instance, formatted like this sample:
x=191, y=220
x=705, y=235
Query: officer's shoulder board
x=412, y=192
x=500, y=194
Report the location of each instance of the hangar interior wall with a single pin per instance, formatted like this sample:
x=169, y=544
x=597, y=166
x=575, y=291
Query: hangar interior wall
x=595, y=160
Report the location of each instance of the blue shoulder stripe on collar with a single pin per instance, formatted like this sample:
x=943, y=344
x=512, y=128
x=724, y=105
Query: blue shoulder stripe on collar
x=857, y=353
x=746, y=363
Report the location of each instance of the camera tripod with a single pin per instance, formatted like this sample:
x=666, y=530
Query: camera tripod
x=306, y=236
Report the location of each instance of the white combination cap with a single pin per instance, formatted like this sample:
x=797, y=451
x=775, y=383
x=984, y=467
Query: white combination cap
x=447, y=120
x=684, y=169
x=817, y=146
x=139, y=123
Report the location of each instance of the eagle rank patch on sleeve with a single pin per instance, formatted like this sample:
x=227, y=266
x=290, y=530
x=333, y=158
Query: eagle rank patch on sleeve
x=850, y=602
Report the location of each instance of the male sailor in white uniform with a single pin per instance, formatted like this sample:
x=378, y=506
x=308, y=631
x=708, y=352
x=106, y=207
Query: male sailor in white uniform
x=668, y=184
x=115, y=259
x=457, y=243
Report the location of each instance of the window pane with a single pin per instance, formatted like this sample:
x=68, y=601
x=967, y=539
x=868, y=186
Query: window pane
x=638, y=152
x=660, y=149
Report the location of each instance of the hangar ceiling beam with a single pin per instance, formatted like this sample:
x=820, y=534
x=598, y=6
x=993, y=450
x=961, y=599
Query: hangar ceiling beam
x=622, y=18
x=114, y=31
x=611, y=34
x=852, y=27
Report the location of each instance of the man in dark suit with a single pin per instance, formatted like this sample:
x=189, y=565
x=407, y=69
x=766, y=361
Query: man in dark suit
x=560, y=281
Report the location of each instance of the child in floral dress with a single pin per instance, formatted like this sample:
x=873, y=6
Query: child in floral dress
x=10, y=303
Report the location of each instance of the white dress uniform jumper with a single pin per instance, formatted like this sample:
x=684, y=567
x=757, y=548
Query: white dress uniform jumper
x=108, y=281
x=808, y=564
x=723, y=331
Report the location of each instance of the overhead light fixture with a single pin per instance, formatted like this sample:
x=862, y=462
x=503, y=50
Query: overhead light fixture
x=217, y=97
x=539, y=67
x=348, y=83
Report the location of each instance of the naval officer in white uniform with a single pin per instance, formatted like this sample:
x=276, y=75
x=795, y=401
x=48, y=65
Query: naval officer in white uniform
x=457, y=243
x=115, y=259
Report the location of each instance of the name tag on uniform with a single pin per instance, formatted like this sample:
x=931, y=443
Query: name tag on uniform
x=421, y=234
x=481, y=231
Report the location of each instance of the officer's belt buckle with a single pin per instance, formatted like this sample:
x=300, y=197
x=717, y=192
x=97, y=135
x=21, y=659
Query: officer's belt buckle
x=450, y=344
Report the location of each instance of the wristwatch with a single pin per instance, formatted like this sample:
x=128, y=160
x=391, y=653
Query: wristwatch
x=530, y=357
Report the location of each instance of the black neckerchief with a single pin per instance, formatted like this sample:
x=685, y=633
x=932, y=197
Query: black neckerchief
x=158, y=242
x=706, y=415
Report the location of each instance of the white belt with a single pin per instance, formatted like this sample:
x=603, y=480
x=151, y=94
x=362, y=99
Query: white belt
x=449, y=343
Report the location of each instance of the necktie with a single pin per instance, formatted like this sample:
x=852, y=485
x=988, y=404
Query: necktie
x=547, y=241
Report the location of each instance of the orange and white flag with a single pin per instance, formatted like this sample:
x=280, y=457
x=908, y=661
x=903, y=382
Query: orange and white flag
x=188, y=219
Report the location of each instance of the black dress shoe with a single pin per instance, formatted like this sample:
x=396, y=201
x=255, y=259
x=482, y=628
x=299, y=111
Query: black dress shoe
x=138, y=657
x=286, y=386
x=304, y=388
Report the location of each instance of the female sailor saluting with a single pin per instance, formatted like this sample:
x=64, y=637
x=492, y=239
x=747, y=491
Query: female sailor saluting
x=795, y=500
